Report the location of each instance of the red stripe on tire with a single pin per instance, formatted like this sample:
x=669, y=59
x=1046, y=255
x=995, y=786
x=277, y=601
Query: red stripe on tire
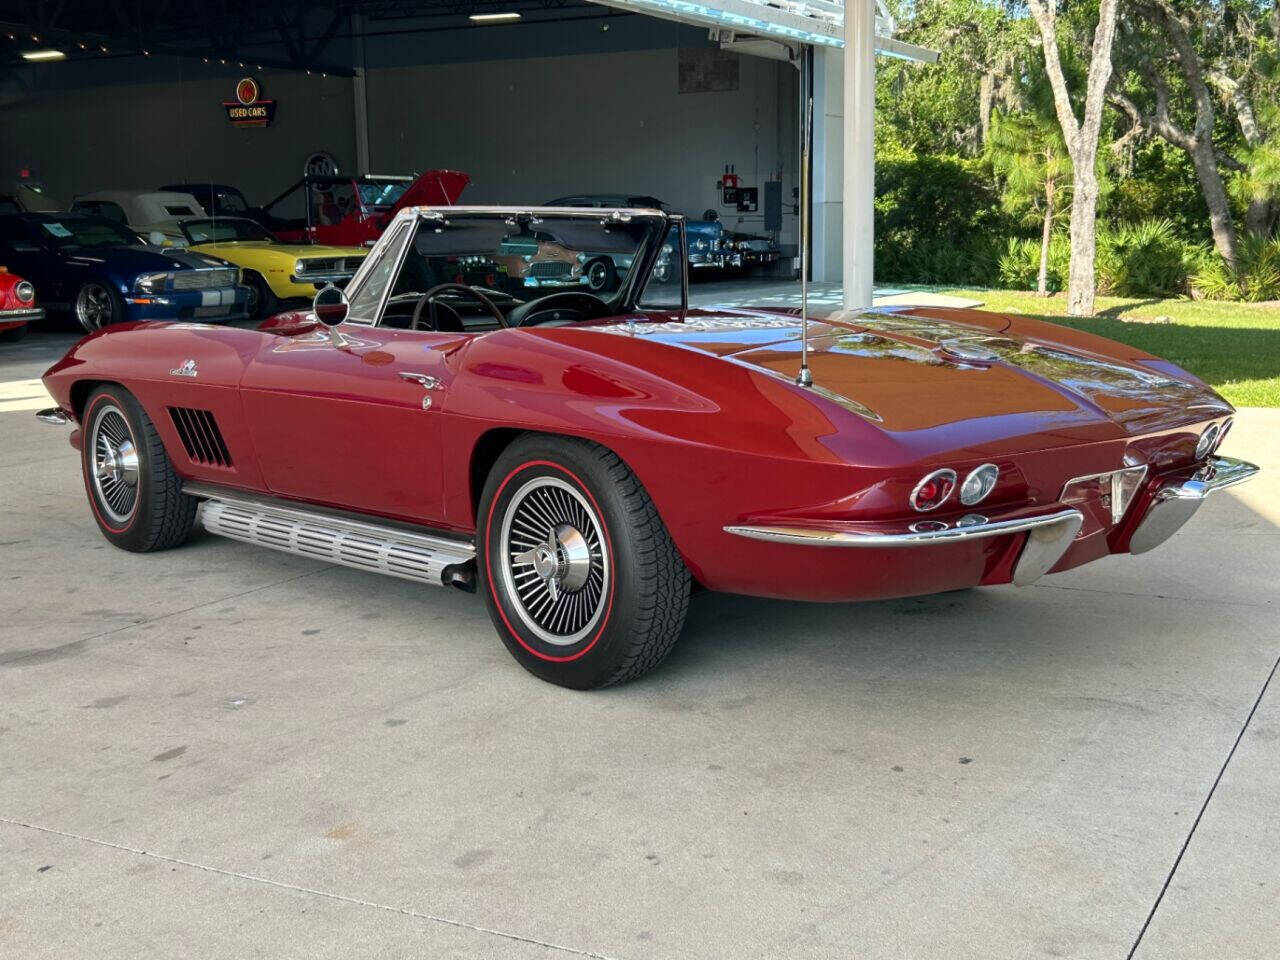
x=488, y=564
x=88, y=483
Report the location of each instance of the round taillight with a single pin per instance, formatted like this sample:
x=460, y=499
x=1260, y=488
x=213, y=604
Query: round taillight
x=978, y=484
x=24, y=291
x=933, y=490
x=1207, y=440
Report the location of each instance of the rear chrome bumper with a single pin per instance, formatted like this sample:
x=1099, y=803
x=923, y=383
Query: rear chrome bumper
x=1048, y=536
x=1176, y=503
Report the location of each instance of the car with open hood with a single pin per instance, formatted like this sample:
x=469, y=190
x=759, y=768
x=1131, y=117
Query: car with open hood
x=583, y=461
x=102, y=273
x=352, y=211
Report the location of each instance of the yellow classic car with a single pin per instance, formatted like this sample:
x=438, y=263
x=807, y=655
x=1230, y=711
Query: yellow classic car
x=274, y=272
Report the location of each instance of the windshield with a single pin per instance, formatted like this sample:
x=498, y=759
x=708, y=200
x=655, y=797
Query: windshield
x=382, y=193
x=231, y=230
x=85, y=233
x=229, y=201
x=519, y=255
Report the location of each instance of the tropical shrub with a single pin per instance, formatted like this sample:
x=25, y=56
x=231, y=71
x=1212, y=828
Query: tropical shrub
x=1019, y=265
x=1144, y=259
x=1257, y=278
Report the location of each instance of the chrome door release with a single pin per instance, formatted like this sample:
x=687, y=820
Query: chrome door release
x=427, y=381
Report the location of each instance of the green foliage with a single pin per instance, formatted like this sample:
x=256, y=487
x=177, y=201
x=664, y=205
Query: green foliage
x=1257, y=279
x=937, y=218
x=1019, y=265
x=1136, y=260
x=1144, y=259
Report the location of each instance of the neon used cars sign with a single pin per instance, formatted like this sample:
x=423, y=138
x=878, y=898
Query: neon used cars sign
x=248, y=109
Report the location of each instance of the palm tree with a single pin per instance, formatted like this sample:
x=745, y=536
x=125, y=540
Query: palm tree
x=1028, y=152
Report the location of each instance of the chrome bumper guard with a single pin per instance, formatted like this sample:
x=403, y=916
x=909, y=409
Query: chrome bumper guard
x=1177, y=503
x=55, y=415
x=1048, y=537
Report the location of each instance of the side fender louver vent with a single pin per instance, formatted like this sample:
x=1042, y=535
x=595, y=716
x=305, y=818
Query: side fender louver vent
x=200, y=436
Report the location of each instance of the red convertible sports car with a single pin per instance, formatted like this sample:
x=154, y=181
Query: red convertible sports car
x=584, y=461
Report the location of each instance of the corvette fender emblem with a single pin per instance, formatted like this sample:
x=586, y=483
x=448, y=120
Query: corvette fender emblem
x=188, y=369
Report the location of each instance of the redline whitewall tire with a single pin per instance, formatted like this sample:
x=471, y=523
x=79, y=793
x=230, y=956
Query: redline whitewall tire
x=581, y=578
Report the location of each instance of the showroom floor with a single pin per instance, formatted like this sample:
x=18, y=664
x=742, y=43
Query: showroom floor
x=227, y=746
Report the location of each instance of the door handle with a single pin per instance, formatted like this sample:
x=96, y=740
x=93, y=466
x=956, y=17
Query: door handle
x=426, y=381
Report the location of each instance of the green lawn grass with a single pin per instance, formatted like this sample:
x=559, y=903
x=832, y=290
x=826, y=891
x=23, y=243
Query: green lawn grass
x=1233, y=346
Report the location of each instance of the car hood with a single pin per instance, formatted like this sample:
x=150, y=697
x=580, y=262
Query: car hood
x=141, y=259
x=307, y=250
x=921, y=370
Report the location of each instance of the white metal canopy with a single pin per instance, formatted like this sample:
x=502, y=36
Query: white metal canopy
x=818, y=22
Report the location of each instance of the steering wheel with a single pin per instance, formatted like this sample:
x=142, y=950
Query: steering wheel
x=566, y=307
x=428, y=299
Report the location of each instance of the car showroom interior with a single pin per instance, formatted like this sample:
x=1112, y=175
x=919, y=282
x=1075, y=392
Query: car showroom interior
x=386, y=385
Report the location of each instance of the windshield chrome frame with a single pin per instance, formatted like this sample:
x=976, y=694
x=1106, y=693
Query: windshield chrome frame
x=628, y=293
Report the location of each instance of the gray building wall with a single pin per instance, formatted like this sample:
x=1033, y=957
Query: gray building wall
x=526, y=127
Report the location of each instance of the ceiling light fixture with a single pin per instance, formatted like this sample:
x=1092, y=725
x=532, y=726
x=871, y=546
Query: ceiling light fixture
x=43, y=55
x=493, y=17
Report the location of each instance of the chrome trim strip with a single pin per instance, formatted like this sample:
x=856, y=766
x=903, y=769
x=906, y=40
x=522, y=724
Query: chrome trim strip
x=818, y=537
x=55, y=415
x=21, y=313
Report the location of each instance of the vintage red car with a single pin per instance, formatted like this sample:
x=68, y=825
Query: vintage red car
x=17, y=306
x=585, y=461
x=352, y=211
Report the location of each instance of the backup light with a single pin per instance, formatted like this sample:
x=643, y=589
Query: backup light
x=933, y=490
x=978, y=484
x=37, y=55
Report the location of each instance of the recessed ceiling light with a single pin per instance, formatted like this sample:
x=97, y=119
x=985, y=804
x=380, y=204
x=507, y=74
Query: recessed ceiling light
x=493, y=17
x=43, y=55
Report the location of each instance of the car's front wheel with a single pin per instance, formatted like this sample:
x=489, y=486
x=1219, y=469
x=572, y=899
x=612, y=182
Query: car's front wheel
x=98, y=305
x=581, y=577
x=262, y=302
x=135, y=494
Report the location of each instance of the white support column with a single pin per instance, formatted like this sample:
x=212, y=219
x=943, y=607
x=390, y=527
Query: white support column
x=360, y=96
x=828, y=177
x=859, y=151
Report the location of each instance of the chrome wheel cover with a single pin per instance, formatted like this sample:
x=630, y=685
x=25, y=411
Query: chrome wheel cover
x=93, y=306
x=114, y=459
x=555, y=565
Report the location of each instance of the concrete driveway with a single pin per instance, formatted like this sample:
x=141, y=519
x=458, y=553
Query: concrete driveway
x=226, y=752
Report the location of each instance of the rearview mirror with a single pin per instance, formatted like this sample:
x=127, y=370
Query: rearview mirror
x=330, y=306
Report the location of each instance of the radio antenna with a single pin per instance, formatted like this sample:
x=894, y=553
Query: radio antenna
x=805, y=378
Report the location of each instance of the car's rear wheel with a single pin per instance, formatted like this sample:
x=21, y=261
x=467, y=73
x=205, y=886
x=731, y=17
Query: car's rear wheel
x=136, y=497
x=98, y=305
x=581, y=578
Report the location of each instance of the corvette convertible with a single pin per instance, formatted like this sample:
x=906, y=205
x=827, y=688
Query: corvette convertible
x=585, y=462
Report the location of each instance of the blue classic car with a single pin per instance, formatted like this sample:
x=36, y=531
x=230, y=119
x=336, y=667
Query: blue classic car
x=103, y=273
x=710, y=243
